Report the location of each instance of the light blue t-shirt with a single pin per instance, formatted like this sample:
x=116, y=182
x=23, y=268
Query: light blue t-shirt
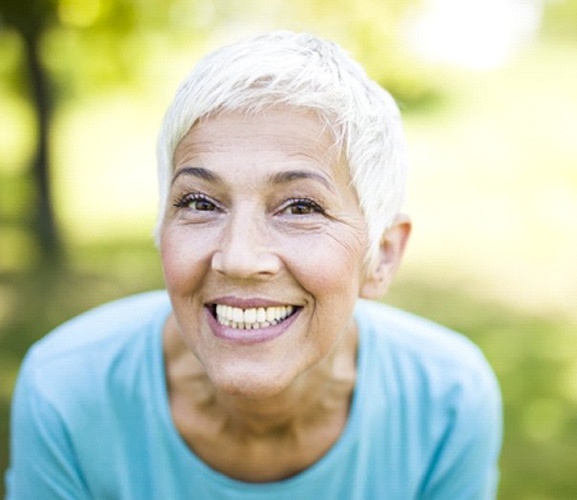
x=91, y=417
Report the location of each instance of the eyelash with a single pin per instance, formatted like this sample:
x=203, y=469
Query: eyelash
x=311, y=205
x=307, y=202
x=187, y=199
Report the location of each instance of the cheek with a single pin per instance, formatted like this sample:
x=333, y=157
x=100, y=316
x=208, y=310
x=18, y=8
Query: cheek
x=332, y=266
x=183, y=260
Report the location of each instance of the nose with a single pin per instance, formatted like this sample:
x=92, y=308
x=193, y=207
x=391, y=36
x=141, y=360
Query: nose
x=245, y=249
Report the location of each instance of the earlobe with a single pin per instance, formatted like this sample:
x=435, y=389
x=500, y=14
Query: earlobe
x=391, y=250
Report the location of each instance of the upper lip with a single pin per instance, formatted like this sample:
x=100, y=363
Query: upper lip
x=247, y=303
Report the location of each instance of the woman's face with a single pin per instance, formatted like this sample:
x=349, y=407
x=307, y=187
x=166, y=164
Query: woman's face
x=263, y=247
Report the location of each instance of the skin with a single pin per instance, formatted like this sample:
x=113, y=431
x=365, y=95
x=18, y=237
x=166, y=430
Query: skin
x=262, y=212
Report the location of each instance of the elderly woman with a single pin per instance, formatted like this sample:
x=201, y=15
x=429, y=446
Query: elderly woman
x=263, y=372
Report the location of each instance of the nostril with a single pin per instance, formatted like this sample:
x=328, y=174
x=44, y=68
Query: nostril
x=245, y=262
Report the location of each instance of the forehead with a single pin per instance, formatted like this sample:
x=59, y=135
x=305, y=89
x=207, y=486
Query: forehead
x=276, y=136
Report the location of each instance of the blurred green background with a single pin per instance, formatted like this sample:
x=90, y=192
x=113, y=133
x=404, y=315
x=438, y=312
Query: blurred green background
x=488, y=89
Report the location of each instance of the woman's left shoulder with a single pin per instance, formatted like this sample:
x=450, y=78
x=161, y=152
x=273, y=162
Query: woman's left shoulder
x=422, y=346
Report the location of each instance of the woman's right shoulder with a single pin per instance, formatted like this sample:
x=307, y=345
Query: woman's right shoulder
x=98, y=337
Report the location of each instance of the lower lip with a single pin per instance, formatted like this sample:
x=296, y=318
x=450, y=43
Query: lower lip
x=249, y=337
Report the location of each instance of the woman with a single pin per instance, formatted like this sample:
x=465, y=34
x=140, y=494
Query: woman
x=263, y=372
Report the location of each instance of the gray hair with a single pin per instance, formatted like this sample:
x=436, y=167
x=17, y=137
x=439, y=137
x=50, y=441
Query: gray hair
x=300, y=70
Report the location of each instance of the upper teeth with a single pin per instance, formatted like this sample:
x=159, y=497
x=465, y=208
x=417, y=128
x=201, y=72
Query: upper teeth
x=254, y=317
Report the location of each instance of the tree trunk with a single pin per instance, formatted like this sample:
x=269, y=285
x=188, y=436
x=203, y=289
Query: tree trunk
x=44, y=222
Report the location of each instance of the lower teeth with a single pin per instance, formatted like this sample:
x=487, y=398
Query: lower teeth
x=251, y=326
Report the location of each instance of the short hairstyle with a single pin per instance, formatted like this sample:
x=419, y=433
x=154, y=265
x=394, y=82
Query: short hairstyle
x=303, y=71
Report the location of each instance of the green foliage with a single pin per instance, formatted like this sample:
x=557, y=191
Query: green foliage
x=560, y=20
x=29, y=18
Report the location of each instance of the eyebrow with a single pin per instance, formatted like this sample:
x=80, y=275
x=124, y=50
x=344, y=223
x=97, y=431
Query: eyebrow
x=284, y=177
x=294, y=175
x=199, y=172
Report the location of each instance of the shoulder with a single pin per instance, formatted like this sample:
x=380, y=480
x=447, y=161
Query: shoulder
x=439, y=396
x=416, y=337
x=114, y=321
x=82, y=350
x=408, y=349
x=81, y=391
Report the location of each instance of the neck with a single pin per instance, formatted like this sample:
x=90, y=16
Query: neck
x=308, y=400
x=323, y=390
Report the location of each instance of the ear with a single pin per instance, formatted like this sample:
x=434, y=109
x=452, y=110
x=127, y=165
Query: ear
x=391, y=250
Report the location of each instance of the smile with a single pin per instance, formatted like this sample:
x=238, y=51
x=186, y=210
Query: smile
x=253, y=317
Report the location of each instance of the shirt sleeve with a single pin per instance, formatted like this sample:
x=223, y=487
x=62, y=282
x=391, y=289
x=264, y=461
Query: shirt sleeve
x=42, y=460
x=466, y=461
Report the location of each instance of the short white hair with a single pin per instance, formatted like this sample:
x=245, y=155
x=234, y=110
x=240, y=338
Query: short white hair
x=303, y=71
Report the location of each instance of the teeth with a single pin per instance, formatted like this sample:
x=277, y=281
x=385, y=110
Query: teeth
x=271, y=313
x=261, y=315
x=254, y=317
x=250, y=316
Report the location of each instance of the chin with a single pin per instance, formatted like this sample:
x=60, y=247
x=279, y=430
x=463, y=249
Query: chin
x=255, y=386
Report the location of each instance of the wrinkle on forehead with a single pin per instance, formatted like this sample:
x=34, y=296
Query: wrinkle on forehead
x=321, y=134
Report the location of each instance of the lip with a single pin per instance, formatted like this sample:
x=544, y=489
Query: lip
x=245, y=303
x=249, y=337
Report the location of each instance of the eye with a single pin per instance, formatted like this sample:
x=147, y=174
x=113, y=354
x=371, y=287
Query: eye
x=197, y=202
x=301, y=206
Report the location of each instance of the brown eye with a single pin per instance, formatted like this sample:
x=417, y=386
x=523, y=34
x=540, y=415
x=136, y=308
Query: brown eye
x=302, y=207
x=197, y=202
x=201, y=205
